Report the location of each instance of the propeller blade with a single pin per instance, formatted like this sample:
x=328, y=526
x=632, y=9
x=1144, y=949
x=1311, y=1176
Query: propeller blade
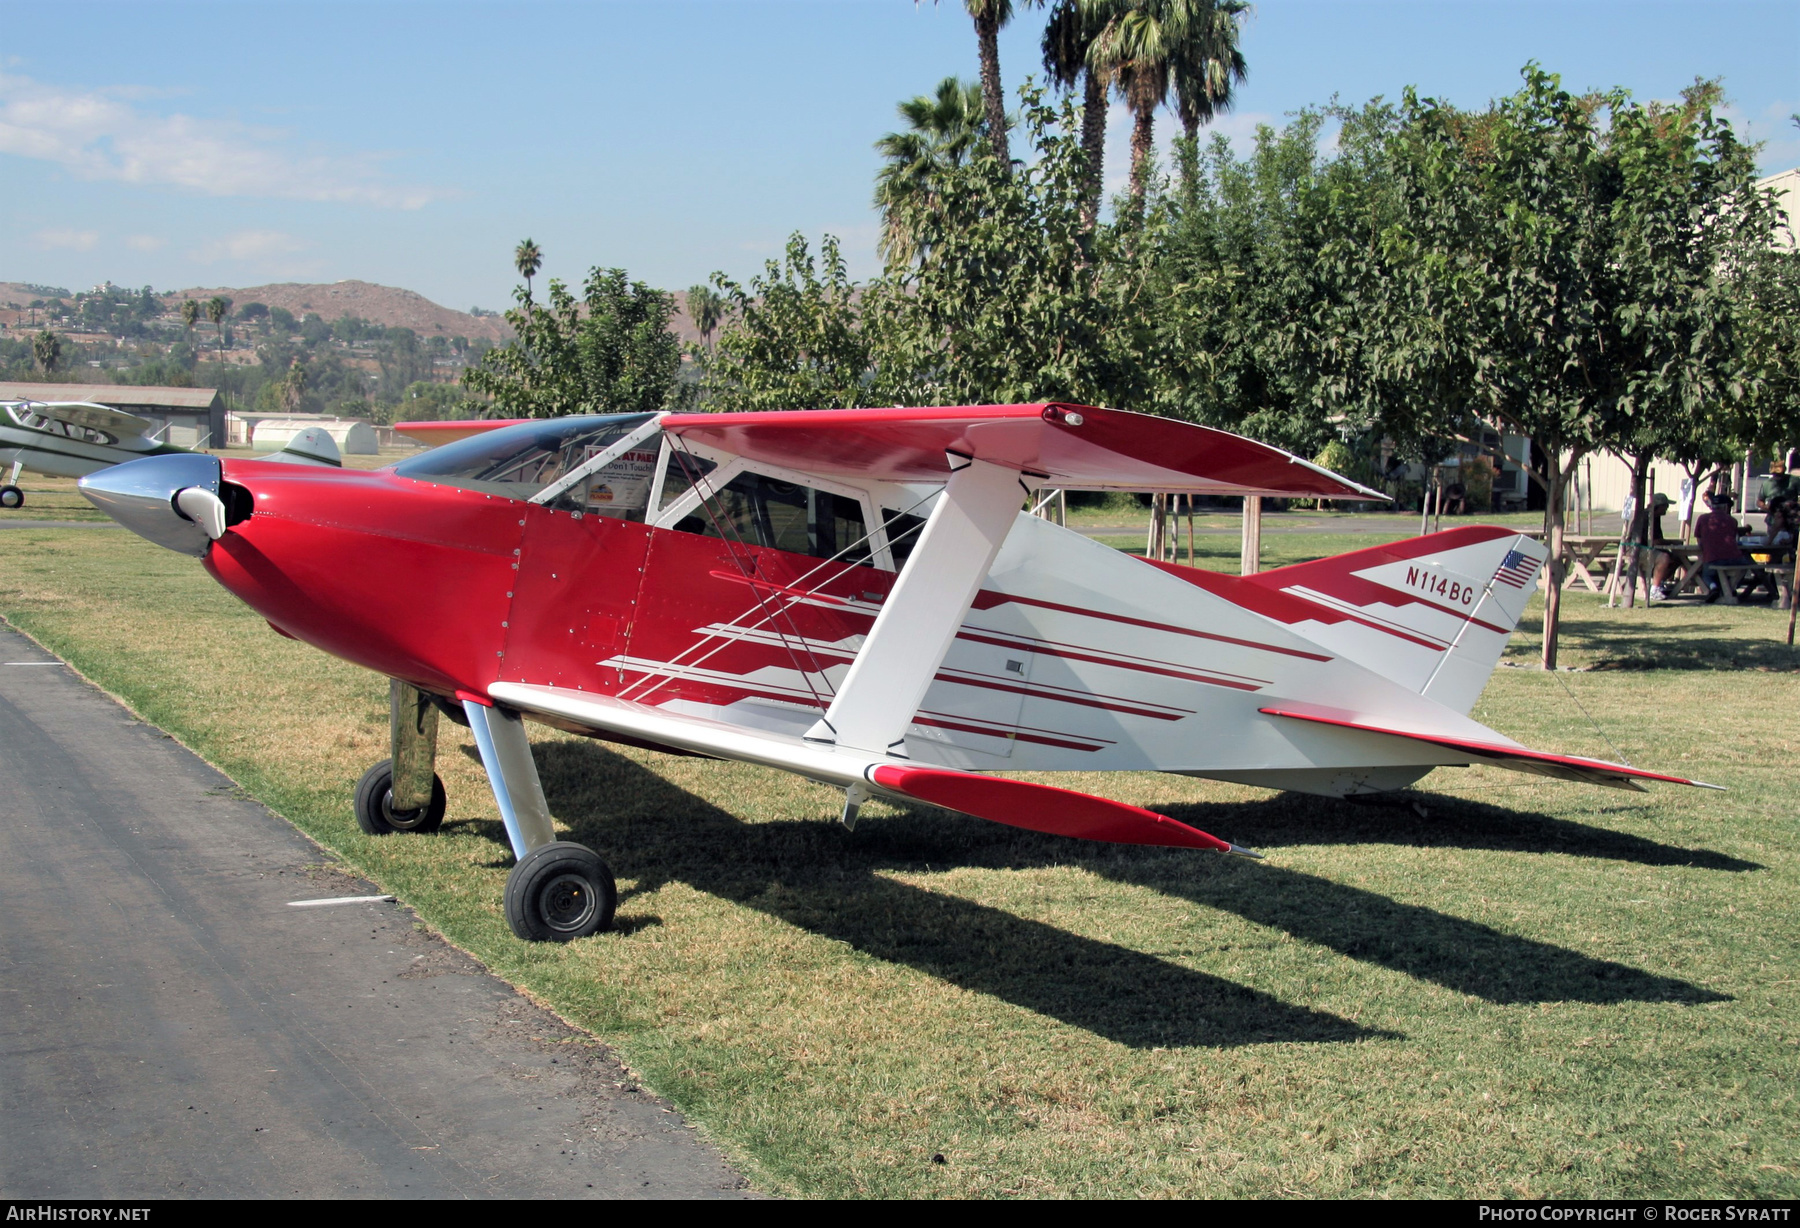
x=204, y=508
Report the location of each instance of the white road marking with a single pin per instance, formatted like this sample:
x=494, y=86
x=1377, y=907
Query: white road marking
x=342, y=899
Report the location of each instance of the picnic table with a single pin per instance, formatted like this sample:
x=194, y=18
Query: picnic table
x=1580, y=552
x=1736, y=580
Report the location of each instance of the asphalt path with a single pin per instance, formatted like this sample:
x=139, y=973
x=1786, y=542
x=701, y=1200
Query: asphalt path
x=170, y=1027
x=7, y=523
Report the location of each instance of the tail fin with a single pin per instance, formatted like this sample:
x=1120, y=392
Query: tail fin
x=1432, y=613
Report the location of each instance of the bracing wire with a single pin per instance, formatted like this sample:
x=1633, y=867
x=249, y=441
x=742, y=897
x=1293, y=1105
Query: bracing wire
x=763, y=605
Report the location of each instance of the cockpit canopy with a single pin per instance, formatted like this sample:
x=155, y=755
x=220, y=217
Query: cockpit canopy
x=523, y=461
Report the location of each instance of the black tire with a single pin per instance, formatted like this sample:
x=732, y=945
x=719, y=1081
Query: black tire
x=375, y=811
x=560, y=892
x=11, y=497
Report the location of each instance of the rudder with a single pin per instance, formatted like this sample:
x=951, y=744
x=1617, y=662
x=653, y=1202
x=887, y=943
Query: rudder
x=1431, y=613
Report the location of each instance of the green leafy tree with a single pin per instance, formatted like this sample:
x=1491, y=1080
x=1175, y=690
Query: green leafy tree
x=1009, y=296
x=796, y=339
x=1587, y=246
x=610, y=351
x=1014, y=297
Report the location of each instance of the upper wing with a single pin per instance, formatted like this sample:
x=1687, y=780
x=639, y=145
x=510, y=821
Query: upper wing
x=1517, y=758
x=1000, y=799
x=1073, y=447
x=431, y=434
x=95, y=417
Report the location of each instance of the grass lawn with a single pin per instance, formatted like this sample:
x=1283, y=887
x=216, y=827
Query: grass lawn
x=1507, y=987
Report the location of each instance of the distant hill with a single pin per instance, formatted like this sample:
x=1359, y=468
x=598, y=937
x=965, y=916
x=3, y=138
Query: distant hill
x=20, y=293
x=389, y=306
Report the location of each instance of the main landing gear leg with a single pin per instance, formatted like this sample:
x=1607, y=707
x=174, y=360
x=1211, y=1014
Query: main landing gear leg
x=558, y=890
x=10, y=494
x=403, y=793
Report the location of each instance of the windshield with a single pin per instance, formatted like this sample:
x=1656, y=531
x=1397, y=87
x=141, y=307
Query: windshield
x=518, y=462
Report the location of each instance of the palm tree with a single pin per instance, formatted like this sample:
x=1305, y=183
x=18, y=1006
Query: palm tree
x=190, y=316
x=706, y=309
x=1068, y=37
x=528, y=260
x=216, y=307
x=1210, y=66
x=989, y=16
x=942, y=128
x=293, y=388
x=1150, y=48
x=46, y=347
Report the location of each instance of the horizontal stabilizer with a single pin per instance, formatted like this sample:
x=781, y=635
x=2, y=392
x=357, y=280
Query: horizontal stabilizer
x=1514, y=758
x=1058, y=812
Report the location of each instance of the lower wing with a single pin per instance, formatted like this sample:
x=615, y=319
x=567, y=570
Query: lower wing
x=999, y=799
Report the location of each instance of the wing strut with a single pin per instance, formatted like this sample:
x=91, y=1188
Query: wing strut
x=920, y=618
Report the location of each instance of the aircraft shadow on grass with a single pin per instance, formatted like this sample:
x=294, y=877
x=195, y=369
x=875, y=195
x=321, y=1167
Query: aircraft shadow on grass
x=828, y=881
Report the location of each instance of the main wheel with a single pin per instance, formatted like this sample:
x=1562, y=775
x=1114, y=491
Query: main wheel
x=559, y=892
x=11, y=496
x=375, y=811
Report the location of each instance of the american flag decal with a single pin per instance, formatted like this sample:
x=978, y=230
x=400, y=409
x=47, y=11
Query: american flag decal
x=1516, y=569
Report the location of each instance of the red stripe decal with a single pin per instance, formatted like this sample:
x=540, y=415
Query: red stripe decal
x=1014, y=735
x=995, y=684
x=986, y=601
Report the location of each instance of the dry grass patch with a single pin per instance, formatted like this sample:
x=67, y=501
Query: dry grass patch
x=1530, y=988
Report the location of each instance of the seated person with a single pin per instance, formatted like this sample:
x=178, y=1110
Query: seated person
x=1717, y=532
x=1777, y=548
x=1665, y=572
x=1782, y=521
x=1456, y=500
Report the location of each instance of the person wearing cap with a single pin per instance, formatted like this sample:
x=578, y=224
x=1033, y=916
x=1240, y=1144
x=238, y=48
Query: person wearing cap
x=1779, y=485
x=1717, y=532
x=1666, y=568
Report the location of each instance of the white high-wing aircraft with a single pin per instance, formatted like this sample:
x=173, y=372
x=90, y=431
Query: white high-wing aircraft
x=71, y=439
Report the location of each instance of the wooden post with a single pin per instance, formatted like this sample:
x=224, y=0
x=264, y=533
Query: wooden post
x=1250, y=556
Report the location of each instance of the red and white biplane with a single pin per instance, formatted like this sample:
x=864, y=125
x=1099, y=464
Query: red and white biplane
x=855, y=596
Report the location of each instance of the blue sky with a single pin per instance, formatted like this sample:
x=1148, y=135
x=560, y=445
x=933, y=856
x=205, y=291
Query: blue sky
x=415, y=143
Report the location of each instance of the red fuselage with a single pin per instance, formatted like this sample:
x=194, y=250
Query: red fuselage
x=452, y=589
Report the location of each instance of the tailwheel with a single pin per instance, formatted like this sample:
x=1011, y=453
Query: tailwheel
x=11, y=496
x=559, y=892
x=375, y=811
